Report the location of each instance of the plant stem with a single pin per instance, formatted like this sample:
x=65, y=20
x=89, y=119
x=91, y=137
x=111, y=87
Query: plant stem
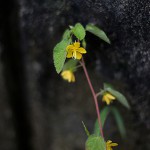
x=94, y=96
x=97, y=94
x=77, y=67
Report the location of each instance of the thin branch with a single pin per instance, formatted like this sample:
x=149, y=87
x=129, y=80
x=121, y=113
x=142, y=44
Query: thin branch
x=94, y=96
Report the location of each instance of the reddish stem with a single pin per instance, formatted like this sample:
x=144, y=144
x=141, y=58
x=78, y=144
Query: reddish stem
x=94, y=96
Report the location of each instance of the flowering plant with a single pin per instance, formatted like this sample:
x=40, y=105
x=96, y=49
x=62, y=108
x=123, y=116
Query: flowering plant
x=74, y=51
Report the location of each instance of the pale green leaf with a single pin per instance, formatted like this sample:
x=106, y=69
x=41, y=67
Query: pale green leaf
x=107, y=85
x=86, y=130
x=71, y=65
x=119, y=121
x=59, y=55
x=66, y=35
x=79, y=31
x=95, y=143
x=104, y=113
x=84, y=43
x=98, y=32
x=120, y=97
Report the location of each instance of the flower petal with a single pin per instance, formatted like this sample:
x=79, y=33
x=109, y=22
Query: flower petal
x=69, y=78
x=110, y=96
x=109, y=145
x=69, y=54
x=113, y=144
x=65, y=75
x=73, y=78
x=107, y=100
x=78, y=55
x=69, y=47
x=68, y=75
x=76, y=45
x=81, y=50
x=103, y=99
x=109, y=141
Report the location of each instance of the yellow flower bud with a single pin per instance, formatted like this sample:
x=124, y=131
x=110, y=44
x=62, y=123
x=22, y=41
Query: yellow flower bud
x=108, y=98
x=109, y=145
x=68, y=75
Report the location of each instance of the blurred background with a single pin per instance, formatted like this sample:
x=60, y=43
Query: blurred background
x=39, y=110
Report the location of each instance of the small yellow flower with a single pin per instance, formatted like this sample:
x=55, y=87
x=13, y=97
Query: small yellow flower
x=68, y=75
x=108, y=98
x=109, y=144
x=75, y=51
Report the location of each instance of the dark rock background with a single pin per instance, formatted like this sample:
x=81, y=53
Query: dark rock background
x=38, y=110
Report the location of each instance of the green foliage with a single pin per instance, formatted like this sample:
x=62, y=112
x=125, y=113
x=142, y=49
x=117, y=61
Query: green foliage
x=98, y=32
x=71, y=65
x=59, y=55
x=95, y=143
x=66, y=35
x=120, y=97
x=119, y=121
x=84, y=43
x=79, y=31
x=117, y=116
x=104, y=113
x=107, y=85
x=86, y=130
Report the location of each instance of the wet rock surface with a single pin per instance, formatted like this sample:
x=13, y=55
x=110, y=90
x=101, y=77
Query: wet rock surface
x=44, y=112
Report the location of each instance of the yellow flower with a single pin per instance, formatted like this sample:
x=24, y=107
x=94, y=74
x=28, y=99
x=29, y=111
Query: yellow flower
x=109, y=144
x=108, y=98
x=68, y=75
x=75, y=51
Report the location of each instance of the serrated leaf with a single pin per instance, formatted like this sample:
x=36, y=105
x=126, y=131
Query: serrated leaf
x=79, y=31
x=95, y=143
x=119, y=121
x=120, y=97
x=98, y=32
x=71, y=65
x=86, y=130
x=66, y=35
x=104, y=113
x=59, y=55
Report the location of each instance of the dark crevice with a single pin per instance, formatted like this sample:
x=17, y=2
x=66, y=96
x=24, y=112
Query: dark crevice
x=14, y=72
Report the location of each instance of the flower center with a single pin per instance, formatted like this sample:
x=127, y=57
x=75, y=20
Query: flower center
x=74, y=54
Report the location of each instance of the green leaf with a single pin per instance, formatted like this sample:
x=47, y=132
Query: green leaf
x=120, y=97
x=66, y=35
x=71, y=65
x=107, y=85
x=59, y=55
x=79, y=31
x=84, y=43
x=95, y=143
x=86, y=130
x=104, y=113
x=98, y=32
x=119, y=122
